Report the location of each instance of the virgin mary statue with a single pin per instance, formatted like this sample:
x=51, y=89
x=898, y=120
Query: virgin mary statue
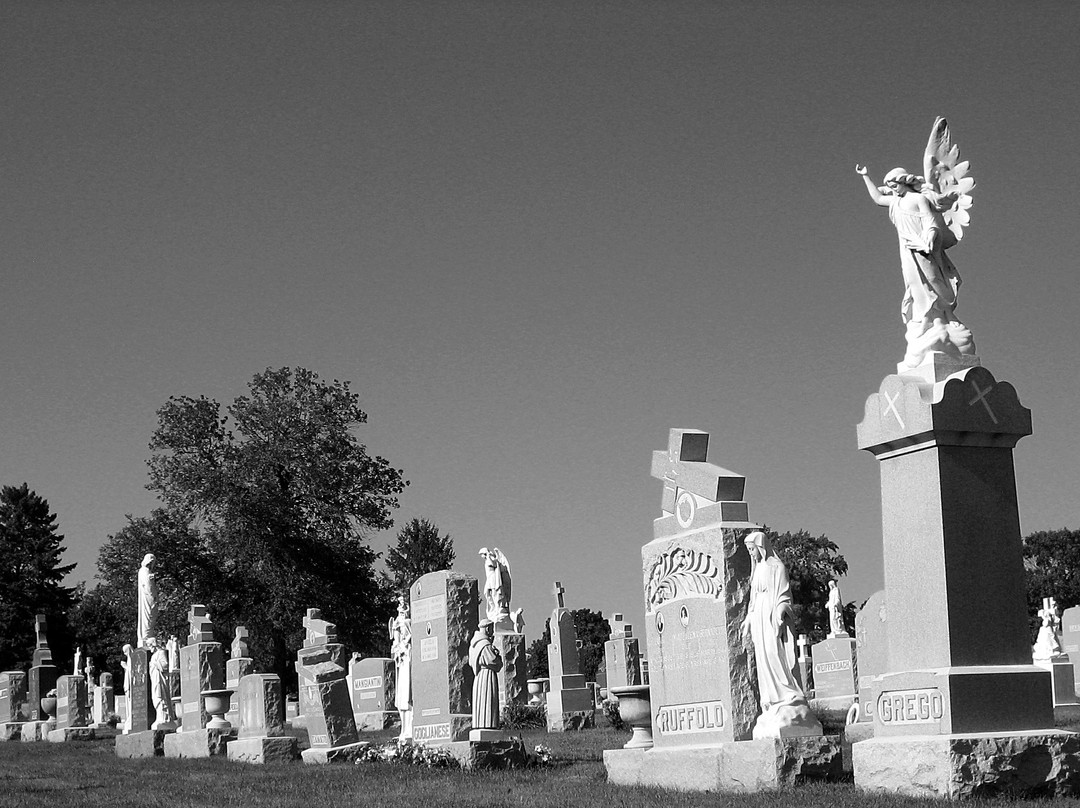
x=784, y=711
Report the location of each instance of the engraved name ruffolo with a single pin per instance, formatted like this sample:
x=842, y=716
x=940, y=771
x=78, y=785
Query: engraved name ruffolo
x=925, y=706
x=683, y=719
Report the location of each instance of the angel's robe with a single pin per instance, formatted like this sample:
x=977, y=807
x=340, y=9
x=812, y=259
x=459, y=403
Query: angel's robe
x=930, y=277
x=774, y=650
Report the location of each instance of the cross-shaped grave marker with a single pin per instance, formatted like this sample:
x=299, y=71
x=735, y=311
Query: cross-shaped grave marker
x=558, y=592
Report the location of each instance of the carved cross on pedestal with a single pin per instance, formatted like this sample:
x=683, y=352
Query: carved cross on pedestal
x=558, y=592
x=619, y=628
x=39, y=631
x=804, y=646
x=240, y=643
x=1048, y=613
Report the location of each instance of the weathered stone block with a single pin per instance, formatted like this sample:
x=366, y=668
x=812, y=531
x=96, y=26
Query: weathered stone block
x=262, y=711
x=198, y=743
x=334, y=754
x=280, y=749
x=1025, y=764
x=65, y=734
x=328, y=712
x=488, y=754
x=738, y=766
x=42, y=679
x=202, y=667
x=72, y=704
x=11, y=730
x=514, y=676
x=13, y=706
x=146, y=744
x=34, y=731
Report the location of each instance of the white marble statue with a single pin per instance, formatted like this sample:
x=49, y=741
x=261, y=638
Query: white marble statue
x=784, y=711
x=835, y=606
x=89, y=671
x=78, y=661
x=173, y=647
x=401, y=651
x=929, y=213
x=148, y=602
x=125, y=663
x=497, y=587
x=1048, y=643
x=486, y=662
x=160, y=690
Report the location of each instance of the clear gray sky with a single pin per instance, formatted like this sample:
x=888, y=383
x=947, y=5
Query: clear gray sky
x=535, y=236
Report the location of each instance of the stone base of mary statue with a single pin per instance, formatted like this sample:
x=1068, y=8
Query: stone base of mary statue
x=787, y=721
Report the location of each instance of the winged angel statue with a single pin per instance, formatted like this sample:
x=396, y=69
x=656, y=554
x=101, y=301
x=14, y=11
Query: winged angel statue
x=929, y=213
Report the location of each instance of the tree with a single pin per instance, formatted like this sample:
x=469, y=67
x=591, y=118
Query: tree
x=593, y=630
x=1051, y=570
x=811, y=563
x=419, y=550
x=283, y=497
x=31, y=577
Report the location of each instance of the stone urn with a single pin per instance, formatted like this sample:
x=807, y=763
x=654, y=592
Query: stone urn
x=536, y=691
x=48, y=707
x=635, y=708
x=217, y=704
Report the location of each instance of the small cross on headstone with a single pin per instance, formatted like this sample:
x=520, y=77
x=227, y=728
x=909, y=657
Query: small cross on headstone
x=558, y=590
x=40, y=628
x=239, y=648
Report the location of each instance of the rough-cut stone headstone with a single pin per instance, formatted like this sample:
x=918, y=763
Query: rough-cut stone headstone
x=570, y=703
x=202, y=667
x=1070, y=641
x=262, y=737
x=43, y=672
x=834, y=672
x=71, y=702
x=622, y=665
x=140, y=701
x=237, y=667
x=872, y=646
x=13, y=705
x=371, y=684
x=696, y=574
x=103, y=702
x=324, y=694
x=443, y=606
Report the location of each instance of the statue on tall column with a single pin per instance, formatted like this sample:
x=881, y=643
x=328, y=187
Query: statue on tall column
x=835, y=606
x=148, y=602
x=784, y=711
x=401, y=651
x=929, y=213
x=486, y=662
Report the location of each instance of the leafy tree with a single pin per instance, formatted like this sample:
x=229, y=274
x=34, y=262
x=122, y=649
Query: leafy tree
x=1051, y=569
x=282, y=497
x=812, y=561
x=31, y=576
x=419, y=550
x=593, y=631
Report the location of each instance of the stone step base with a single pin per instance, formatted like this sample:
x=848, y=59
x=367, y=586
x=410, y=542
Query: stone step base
x=11, y=730
x=334, y=754
x=71, y=734
x=279, y=749
x=1023, y=764
x=146, y=744
x=488, y=754
x=35, y=731
x=737, y=766
x=198, y=743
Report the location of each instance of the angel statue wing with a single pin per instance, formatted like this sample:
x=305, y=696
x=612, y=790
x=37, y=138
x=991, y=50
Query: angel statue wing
x=505, y=564
x=948, y=178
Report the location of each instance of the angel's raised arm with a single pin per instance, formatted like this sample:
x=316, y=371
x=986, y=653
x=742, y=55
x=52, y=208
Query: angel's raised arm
x=872, y=189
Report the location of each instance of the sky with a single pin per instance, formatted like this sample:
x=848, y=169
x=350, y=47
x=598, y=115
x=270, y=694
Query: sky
x=534, y=237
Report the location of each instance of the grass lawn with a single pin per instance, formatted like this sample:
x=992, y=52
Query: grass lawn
x=57, y=775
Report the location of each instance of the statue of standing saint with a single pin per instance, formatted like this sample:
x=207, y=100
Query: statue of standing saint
x=160, y=689
x=148, y=602
x=784, y=711
x=486, y=662
x=497, y=588
x=401, y=651
x=835, y=606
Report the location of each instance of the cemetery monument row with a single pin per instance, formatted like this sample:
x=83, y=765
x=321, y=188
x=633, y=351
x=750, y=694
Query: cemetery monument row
x=716, y=597
x=961, y=709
